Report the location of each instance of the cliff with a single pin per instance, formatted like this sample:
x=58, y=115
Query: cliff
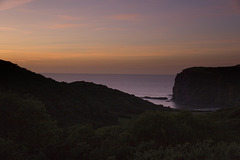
x=72, y=103
x=208, y=87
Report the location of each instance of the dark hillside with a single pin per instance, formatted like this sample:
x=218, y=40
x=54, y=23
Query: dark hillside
x=73, y=103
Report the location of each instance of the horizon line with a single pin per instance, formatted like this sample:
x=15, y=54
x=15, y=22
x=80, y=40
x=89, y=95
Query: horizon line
x=110, y=73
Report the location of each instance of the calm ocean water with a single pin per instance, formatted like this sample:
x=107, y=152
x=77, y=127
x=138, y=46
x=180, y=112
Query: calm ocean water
x=139, y=85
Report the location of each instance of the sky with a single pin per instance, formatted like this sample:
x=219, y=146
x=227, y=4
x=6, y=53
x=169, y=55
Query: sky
x=119, y=36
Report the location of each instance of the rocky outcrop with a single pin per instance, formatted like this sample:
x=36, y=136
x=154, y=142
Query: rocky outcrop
x=208, y=87
x=156, y=98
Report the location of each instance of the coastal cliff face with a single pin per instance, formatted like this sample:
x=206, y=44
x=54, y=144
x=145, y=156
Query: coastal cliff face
x=208, y=87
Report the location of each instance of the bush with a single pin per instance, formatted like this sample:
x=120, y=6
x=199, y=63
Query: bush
x=207, y=150
x=24, y=121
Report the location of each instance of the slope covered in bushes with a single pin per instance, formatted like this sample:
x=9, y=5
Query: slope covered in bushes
x=72, y=103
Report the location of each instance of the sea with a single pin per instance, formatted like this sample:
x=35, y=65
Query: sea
x=154, y=87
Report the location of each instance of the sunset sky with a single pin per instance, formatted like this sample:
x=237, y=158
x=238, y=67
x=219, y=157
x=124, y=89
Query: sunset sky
x=119, y=36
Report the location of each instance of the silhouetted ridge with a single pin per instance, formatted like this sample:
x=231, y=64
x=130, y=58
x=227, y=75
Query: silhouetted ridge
x=208, y=86
x=20, y=79
x=72, y=103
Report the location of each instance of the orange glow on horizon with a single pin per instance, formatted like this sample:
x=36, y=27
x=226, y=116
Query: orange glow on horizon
x=119, y=37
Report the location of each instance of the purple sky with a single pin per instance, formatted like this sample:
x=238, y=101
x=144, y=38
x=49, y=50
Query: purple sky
x=119, y=36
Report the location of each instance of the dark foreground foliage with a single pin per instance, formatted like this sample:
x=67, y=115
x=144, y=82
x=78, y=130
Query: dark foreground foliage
x=207, y=150
x=29, y=132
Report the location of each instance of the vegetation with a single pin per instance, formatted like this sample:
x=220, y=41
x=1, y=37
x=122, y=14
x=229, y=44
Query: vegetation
x=207, y=150
x=72, y=103
x=26, y=128
x=29, y=132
